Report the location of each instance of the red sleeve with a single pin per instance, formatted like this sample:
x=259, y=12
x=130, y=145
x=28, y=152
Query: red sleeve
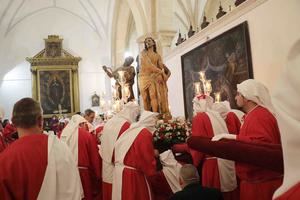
x=94, y=157
x=125, y=126
x=233, y=123
x=201, y=126
x=147, y=162
x=293, y=193
x=99, y=129
x=262, y=127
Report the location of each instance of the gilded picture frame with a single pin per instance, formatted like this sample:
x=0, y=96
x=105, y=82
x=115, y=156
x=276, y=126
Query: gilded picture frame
x=55, y=79
x=56, y=88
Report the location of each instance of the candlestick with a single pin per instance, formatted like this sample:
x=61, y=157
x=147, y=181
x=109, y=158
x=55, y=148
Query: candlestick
x=197, y=88
x=217, y=97
x=207, y=87
x=202, y=76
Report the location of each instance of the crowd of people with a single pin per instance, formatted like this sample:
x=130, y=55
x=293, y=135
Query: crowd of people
x=119, y=161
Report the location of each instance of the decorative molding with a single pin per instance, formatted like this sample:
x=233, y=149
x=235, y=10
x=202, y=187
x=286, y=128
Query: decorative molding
x=53, y=54
x=203, y=35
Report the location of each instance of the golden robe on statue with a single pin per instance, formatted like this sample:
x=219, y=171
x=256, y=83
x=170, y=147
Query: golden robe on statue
x=152, y=80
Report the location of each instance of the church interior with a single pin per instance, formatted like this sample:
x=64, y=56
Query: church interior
x=99, y=56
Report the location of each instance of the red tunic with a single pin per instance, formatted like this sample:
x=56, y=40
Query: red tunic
x=141, y=157
x=201, y=126
x=89, y=164
x=259, y=126
x=2, y=143
x=291, y=194
x=107, y=187
x=23, y=166
x=233, y=123
x=160, y=187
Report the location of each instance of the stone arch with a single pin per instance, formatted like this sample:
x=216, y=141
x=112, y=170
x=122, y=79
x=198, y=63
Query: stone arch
x=126, y=13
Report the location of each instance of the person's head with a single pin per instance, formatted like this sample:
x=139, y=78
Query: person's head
x=27, y=113
x=251, y=93
x=128, y=61
x=202, y=103
x=130, y=112
x=148, y=119
x=89, y=115
x=222, y=107
x=188, y=175
x=149, y=42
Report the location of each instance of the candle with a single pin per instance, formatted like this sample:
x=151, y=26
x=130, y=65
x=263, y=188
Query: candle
x=217, y=97
x=207, y=86
x=202, y=75
x=197, y=88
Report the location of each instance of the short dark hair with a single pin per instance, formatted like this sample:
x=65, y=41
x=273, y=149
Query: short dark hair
x=26, y=113
x=88, y=112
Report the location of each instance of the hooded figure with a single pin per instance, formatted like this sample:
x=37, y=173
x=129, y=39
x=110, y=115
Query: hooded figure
x=85, y=151
x=259, y=125
x=135, y=160
x=111, y=131
x=217, y=173
x=231, y=117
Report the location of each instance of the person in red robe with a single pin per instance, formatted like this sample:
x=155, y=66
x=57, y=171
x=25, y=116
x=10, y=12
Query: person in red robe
x=259, y=125
x=231, y=116
x=37, y=166
x=89, y=115
x=208, y=123
x=135, y=160
x=85, y=151
x=166, y=181
x=111, y=132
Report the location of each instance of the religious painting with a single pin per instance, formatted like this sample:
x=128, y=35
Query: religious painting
x=55, y=91
x=95, y=100
x=55, y=79
x=225, y=60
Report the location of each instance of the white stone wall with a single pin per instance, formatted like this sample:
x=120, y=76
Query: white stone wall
x=273, y=30
x=85, y=28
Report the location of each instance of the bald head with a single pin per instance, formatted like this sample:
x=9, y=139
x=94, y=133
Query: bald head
x=189, y=174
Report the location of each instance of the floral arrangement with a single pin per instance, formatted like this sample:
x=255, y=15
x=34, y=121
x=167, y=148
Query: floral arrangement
x=172, y=132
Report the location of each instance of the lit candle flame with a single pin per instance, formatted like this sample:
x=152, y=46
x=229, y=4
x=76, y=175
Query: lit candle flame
x=202, y=75
x=208, y=87
x=197, y=88
x=217, y=97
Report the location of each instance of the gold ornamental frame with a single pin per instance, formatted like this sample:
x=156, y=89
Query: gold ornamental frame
x=55, y=79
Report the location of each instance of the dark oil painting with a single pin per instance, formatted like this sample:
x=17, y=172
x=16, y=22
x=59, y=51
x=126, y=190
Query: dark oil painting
x=55, y=91
x=226, y=60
